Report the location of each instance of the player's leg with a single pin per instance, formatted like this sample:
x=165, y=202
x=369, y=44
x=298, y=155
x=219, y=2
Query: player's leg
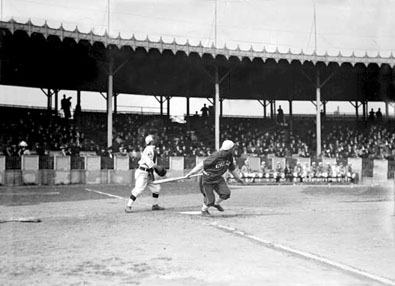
x=209, y=198
x=141, y=180
x=155, y=190
x=223, y=192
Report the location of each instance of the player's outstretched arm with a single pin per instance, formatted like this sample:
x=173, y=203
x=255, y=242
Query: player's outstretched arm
x=198, y=168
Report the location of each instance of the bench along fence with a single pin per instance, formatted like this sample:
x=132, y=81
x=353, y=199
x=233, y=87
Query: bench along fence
x=92, y=169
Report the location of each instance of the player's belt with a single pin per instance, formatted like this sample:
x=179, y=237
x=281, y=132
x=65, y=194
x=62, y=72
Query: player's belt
x=145, y=169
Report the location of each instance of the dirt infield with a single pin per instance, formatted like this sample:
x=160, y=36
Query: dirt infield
x=268, y=235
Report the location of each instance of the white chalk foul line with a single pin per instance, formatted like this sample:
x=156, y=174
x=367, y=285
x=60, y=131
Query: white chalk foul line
x=113, y=196
x=105, y=194
x=304, y=254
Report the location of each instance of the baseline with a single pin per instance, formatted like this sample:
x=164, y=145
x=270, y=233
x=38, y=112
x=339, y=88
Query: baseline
x=304, y=254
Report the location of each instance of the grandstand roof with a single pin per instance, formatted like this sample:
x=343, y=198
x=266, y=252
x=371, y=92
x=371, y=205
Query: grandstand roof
x=45, y=57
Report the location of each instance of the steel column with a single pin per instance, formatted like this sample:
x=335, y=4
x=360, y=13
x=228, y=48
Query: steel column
x=49, y=100
x=318, y=114
x=217, y=110
x=264, y=109
x=386, y=109
x=290, y=115
x=109, y=110
x=56, y=101
x=168, y=105
x=161, y=105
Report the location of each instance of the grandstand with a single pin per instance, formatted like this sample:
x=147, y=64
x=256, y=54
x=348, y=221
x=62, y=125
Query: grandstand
x=49, y=136
x=234, y=74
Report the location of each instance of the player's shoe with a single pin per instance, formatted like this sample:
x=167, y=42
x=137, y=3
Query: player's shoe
x=128, y=209
x=219, y=208
x=206, y=213
x=157, y=208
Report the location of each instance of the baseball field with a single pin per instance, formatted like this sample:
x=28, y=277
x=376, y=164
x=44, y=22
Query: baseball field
x=267, y=235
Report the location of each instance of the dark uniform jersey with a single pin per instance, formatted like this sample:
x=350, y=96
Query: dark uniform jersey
x=216, y=165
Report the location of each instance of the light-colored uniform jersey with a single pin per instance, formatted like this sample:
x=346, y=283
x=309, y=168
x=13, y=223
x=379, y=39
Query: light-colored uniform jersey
x=144, y=174
x=147, y=157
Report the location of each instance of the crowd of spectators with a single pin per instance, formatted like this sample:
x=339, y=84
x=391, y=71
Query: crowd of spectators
x=43, y=132
x=37, y=132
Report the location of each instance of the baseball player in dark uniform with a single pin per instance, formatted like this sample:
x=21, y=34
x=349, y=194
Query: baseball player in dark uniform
x=214, y=167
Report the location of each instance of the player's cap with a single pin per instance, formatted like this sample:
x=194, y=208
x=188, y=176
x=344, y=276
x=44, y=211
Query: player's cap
x=227, y=145
x=23, y=144
x=149, y=139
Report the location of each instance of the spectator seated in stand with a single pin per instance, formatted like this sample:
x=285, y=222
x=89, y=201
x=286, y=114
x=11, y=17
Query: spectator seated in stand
x=350, y=174
x=264, y=172
x=298, y=173
x=279, y=173
x=23, y=150
x=247, y=173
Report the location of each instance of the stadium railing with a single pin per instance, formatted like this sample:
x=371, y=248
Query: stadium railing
x=91, y=169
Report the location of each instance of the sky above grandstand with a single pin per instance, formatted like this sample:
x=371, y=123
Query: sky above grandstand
x=359, y=26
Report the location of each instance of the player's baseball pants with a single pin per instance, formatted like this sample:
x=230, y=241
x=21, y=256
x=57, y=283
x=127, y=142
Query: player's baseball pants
x=144, y=180
x=221, y=188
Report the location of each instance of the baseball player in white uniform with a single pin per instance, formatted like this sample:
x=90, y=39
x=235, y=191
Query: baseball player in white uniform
x=144, y=176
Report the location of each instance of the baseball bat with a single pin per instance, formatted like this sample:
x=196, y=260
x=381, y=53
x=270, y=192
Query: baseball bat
x=22, y=219
x=167, y=180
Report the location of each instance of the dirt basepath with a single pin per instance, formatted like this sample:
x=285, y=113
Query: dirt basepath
x=93, y=242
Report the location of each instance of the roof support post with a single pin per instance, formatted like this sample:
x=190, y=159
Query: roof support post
x=271, y=109
x=161, y=101
x=264, y=109
x=77, y=112
x=110, y=94
x=264, y=104
x=356, y=105
x=78, y=99
x=49, y=100
x=318, y=113
x=56, y=101
x=109, y=109
x=49, y=94
x=161, y=105
x=187, y=101
x=324, y=102
x=187, y=119
x=318, y=85
x=366, y=110
x=221, y=106
x=168, y=105
x=386, y=109
x=290, y=115
x=363, y=110
x=217, y=109
x=115, y=94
